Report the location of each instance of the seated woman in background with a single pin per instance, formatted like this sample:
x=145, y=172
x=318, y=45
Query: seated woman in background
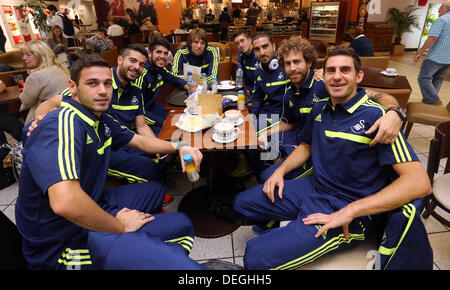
x=100, y=42
x=58, y=43
x=360, y=43
x=48, y=76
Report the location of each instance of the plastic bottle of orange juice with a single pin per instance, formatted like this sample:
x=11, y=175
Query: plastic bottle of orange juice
x=191, y=171
x=241, y=100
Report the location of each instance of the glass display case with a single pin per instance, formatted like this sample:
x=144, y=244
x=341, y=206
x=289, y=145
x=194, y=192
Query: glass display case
x=324, y=21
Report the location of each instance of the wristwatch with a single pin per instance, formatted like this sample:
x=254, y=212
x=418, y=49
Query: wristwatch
x=181, y=144
x=401, y=113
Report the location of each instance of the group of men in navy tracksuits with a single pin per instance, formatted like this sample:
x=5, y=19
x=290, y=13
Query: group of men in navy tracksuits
x=341, y=171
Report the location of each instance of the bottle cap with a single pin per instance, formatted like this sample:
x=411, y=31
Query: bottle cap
x=190, y=73
x=241, y=92
x=203, y=74
x=214, y=78
x=187, y=158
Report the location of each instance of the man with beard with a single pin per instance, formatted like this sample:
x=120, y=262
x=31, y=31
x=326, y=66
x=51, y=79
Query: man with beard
x=154, y=77
x=298, y=58
x=197, y=52
x=66, y=217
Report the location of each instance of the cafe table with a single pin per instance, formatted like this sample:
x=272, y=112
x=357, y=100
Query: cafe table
x=196, y=204
x=10, y=98
x=373, y=78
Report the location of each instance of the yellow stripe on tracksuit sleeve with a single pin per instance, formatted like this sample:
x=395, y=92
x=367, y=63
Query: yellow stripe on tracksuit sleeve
x=129, y=177
x=176, y=61
x=150, y=122
x=266, y=128
x=215, y=64
x=400, y=150
x=66, y=146
x=331, y=245
x=348, y=136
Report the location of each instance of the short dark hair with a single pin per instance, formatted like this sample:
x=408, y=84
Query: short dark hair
x=52, y=7
x=159, y=40
x=262, y=35
x=239, y=32
x=85, y=62
x=136, y=47
x=348, y=51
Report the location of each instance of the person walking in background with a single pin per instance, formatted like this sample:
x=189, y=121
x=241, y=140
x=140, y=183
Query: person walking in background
x=435, y=65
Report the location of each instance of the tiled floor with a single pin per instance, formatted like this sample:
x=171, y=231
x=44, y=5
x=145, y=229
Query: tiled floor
x=231, y=247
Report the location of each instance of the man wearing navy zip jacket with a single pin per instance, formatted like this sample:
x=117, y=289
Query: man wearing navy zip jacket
x=246, y=58
x=198, y=53
x=154, y=77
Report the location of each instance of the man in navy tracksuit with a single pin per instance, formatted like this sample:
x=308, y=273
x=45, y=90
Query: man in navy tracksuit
x=198, y=53
x=246, y=58
x=271, y=85
x=154, y=77
x=66, y=217
x=352, y=185
x=298, y=57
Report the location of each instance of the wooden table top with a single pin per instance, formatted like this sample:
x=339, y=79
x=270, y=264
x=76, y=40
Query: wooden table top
x=373, y=78
x=203, y=140
x=10, y=95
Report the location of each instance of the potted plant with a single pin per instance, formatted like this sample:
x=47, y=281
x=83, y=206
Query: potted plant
x=403, y=21
x=37, y=9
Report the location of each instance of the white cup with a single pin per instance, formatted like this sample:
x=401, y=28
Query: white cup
x=225, y=130
x=192, y=106
x=233, y=116
x=391, y=70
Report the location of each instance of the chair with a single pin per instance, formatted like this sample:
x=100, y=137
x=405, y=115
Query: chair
x=136, y=38
x=222, y=49
x=375, y=61
x=7, y=76
x=232, y=49
x=439, y=149
x=224, y=72
x=402, y=95
x=418, y=112
x=111, y=56
x=321, y=47
x=13, y=58
x=119, y=41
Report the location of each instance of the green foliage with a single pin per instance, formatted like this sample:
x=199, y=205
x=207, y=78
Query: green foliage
x=36, y=8
x=403, y=21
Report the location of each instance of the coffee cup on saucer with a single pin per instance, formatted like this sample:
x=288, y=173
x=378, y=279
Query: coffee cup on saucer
x=233, y=116
x=391, y=71
x=225, y=130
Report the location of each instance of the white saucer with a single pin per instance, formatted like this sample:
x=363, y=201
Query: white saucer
x=217, y=139
x=226, y=87
x=389, y=75
x=239, y=122
x=227, y=82
x=189, y=113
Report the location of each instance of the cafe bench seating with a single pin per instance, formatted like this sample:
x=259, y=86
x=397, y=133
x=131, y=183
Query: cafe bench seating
x=13, y=58
x=375, y=61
